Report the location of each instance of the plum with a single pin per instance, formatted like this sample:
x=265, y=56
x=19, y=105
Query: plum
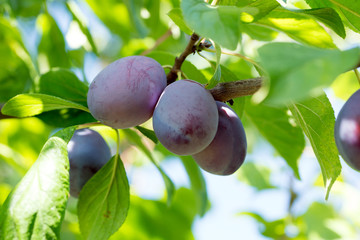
x=185, y=117
x=125, y=92
x=347, y=131
x=226, y=153
x=87, y=152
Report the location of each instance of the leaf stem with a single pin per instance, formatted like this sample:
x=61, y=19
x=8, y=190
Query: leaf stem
x=357, y=74
x=236, y=55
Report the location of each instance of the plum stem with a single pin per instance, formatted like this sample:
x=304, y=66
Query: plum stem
x=223, y=91
x=190, y=48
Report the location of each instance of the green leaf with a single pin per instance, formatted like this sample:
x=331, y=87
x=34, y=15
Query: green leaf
x=255, y=176
x=316, y=118
x=28, y=8
x=279, y=129
x=36, y=207
x=133, y=137
x=148, y=133
x=219, y=23
x=215, y=79
x=104, y=201
x=14, y=73
x=298, y=71
x=349, y=9
x=31, y=104
x=77, y=15
x=134, y=8
x=329, y=17
x=299, y=27
x=149, y=219
x=177, y=16
x=64, y=84
x=52, y=51
x=197, y=182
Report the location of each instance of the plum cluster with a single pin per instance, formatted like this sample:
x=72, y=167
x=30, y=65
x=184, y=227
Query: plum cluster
x=186, y=118
x=347, y=131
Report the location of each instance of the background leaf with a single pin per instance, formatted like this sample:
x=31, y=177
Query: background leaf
x=219, y=23
x=104, y=201
x=36, y=207
x=297, y=71
x=316, y=118
x=275, y=124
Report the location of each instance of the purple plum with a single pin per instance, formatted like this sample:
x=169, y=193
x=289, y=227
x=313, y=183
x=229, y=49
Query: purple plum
x=125, y=92
x=226, y=153
x=185, y=117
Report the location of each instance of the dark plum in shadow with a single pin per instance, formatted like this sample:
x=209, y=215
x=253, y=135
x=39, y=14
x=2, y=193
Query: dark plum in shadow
x=347, y=131
x=88, y=152
x=226, y=153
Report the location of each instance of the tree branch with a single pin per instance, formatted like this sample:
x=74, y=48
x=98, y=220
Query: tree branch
x=229, y=90
x=190, y=48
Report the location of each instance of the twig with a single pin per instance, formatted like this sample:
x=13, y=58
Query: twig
x=190, y=48
x=229, y=90
x=160, y=40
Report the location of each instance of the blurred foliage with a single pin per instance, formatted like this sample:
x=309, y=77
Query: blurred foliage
x=57, y=47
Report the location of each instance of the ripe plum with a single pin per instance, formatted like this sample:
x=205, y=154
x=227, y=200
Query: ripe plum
x=125, y=92
x=87, y=152
x=227, y=151
x=185, y=118
x=347, y=131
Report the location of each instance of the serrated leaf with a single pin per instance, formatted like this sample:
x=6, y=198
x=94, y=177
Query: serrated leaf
x=276, y=127
x=349, y=9
x=316, y=118
x=104, y=201
x=219, y=23
x=177, y=16
x=327, y=16
x=64, y=84
x=36, y=207
x=31, y=104
x=299, y=27
x=215, y=79
x=297, y=71
x=134, y=138
x=197, y=183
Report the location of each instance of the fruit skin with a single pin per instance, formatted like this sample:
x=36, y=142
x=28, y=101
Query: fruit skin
x=87, y=152
x=185, y=117
x=226, y=153
x=347, y=131
x=125, y=92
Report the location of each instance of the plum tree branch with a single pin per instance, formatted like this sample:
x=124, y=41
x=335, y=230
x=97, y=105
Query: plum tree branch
x=223, y=91
x=226, y=91
x=190, y=48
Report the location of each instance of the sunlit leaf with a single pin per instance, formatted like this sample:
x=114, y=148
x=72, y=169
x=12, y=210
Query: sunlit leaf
x=256, y=176
x=219, y=23
x=276, y=126
x=27, y=105
x=177, y=16
x=316, y=118
x=297, y=71
x=36, y=207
